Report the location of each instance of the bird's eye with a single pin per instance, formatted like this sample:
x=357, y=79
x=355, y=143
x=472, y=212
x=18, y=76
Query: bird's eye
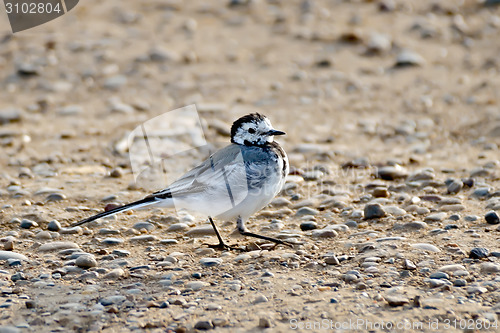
x=251, y=130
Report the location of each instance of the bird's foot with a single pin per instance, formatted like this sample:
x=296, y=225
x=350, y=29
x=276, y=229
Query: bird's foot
x=270, y=239
x=222, y=246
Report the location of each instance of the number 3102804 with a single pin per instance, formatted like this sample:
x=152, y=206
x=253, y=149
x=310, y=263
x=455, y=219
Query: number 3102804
x=32, y=8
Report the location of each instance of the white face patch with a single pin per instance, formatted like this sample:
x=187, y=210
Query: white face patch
x=254, y=133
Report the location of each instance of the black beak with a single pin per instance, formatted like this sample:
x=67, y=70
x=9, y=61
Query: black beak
x=275, y=132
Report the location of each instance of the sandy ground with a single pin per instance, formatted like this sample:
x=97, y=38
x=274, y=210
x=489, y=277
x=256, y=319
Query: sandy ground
x=357, y=86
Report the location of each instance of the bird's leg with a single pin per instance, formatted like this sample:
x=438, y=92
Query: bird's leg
x=221, y=245
x=243, y=230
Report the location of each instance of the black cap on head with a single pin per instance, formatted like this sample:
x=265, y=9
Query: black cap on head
x=252, y=117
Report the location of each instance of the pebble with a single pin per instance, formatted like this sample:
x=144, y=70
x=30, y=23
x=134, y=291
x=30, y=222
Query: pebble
x=455, y=186
x=306, y=211
x=460, y=283
x=436, y=217
x=492, y=217
x=110, y=300
x=426, y=247
x=396, y=300
x=143, y=238
x=204, y=230
x=260, y=299
x=177, y=227
x=478, y=253
x=372, y=211
x=71, y=231
x=391, y=172
x=324, y=233
x=70, y=110
x=410, y=226
x=27, y=224
x=114, y=274
x=264, y=322
x=57, y=246
x=489, y=267
x=112, y=241
x=407, y=58
x=210, y=262
x=452, y=268
x=115, y=82
x=308, y=225
x=332, y=260
x=10, y=115
x=55, y=197
x=439, y=275
x=476, y=290
x=6, y=255
x=204, y=325
x=144, y=225
x=86, y=261
x=54, y=225
x=197, y=285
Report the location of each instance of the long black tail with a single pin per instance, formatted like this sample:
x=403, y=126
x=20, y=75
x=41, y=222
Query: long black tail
x=136, y=204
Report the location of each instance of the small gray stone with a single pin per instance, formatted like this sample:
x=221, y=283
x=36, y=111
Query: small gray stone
x=478, y=253
x=332, y=260
x=54, y=225
x=451, y=268
x=210, y=262
x=204, y=230
x=455, y=186
x=197, y=285
x=144, y=225
x=114, y=274
x=460, y=283
x=9, y=329
x=471, y=218
x=10, y=115
x=481, y=192
x=308, y=225
x=204, y=325
x=439, y=275
x=115, y=82
x=489, y=267
x=409, y=265
x=396, y=300
x=6, y=255
x=70, y=110
x=476, y=290
x=86, y=261
x=27, y=224
x=57, y=246
x=436, y=217
x=110, y=300
x=426, y=247
x=71, y=231
x=391, y=172
x=264, y=322
x=112, y=241
x=260, y=299
x=410, y=226
x=55, y=197
x=177, y=227
x=492, y=217
x=306, y=211
x=143, y=238
x=373, y=211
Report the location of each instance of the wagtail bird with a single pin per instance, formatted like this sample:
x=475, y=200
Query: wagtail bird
x=233, y=183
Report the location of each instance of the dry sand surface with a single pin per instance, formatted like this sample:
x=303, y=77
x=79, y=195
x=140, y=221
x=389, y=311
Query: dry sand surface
x=392, y=110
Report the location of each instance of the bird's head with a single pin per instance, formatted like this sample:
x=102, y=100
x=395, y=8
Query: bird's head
x=253, y=130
